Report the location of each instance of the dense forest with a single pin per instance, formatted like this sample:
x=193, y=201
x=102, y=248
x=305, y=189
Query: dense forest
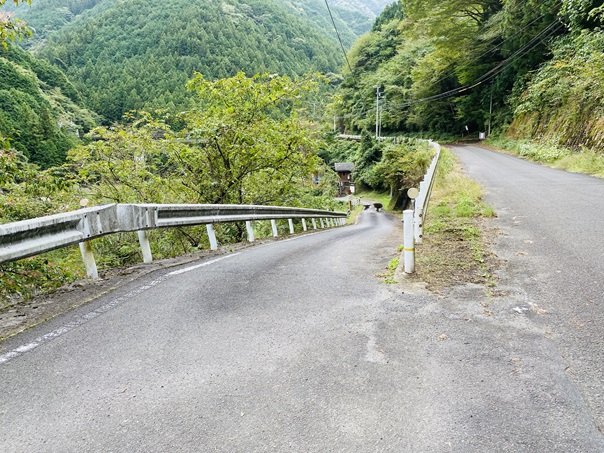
x=136, y=54
x=530, y=68
x=39, y=108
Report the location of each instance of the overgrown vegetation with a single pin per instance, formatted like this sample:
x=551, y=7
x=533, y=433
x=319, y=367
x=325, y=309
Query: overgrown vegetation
x=444, y=66
x=455, y=244
x=392, y=165
x=585, y=160
x=244, y=142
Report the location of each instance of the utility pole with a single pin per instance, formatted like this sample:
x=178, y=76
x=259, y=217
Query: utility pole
x=381, y=119
x=377, y=111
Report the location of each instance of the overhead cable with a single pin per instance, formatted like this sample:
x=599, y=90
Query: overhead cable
x=338, y=35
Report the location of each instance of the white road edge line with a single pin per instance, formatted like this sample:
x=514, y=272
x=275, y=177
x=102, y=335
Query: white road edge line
x=83, y=319
x=197, y=266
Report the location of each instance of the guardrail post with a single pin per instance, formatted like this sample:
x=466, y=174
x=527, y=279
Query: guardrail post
x=314, y=223
x=143, y=240
x=212, y=236
x=322, y=224
x=274, y=226
x=291, y=226
x=304, y=225
x=250, y=231
x=89, y=261
x=409, y=244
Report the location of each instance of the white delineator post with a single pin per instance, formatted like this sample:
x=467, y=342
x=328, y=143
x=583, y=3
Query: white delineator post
x=409, y=244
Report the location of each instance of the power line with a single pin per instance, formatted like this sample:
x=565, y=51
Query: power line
x=338, y=35
x=495, y=48
x=543, y=34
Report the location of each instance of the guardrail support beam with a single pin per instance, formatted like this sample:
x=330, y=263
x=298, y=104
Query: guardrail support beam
x=291, y=226
x=89, y=261
x=322, y=224
x=314, y=223
x=212, y=236
x=250, y=231
x=274, y=227
x=143, y=240
x=304, y=225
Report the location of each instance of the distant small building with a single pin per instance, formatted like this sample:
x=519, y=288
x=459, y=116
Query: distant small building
x=345, y=184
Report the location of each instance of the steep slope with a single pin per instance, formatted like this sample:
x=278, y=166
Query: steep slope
x=135, y=54
x=369, y=8
x=39, y=109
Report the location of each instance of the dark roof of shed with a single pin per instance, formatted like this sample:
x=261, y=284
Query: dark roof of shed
x=344, y=166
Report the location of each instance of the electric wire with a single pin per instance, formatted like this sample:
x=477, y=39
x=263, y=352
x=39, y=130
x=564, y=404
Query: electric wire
x=495, y=48
x=338, y=35
x=543, y=34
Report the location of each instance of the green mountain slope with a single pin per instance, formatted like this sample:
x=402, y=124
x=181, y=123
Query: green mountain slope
x=125, y=55
x=369, y=8
x=39, y=109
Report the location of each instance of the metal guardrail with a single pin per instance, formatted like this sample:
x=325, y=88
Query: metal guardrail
x=31, y=237
x=414, y=218
x=425, y=190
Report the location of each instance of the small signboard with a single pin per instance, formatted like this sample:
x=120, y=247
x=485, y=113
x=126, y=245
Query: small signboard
x=413, y=193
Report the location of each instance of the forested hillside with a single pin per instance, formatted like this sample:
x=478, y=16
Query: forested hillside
x=442, y=65
x=370, y=8
x=39, y=109
x=135, y=54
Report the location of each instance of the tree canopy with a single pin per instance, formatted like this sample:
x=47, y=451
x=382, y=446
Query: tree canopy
x=447, y=64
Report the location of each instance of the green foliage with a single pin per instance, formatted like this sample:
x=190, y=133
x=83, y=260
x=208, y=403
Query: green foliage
x=138, y=54
x=563, y=102
x=12, y=28
x=242, y=143
x=25, y=278
x=441, y=63
x=37, y=109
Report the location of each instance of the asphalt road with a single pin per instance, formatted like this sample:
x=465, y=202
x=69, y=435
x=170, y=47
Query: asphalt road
x=296, y=346
x=552, y=236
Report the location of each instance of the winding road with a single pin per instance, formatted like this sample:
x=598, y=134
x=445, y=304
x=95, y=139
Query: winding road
x=297, y=346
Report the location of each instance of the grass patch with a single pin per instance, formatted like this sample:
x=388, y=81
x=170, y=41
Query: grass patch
x=380, y=197
x=454, y=248
x=388, y=276
x=585, y=160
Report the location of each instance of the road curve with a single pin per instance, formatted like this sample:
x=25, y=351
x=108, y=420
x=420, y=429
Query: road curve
x=294, y=346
